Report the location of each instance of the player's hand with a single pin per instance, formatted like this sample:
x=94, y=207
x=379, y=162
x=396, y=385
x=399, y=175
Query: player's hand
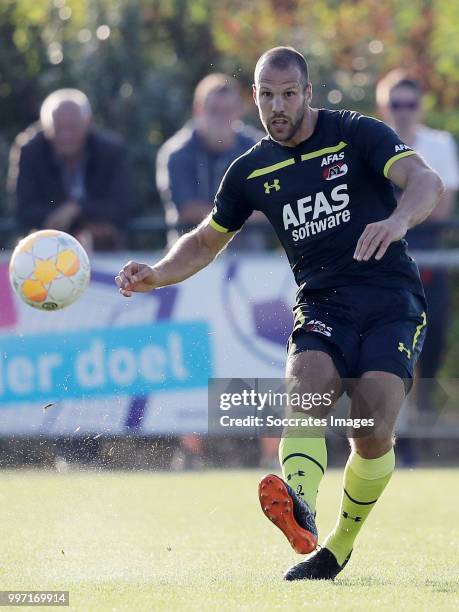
x=376, y=238
x=136, y=277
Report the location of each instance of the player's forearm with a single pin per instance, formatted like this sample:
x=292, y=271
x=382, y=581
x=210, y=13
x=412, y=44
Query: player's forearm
x=189, y=255
x=419, y=198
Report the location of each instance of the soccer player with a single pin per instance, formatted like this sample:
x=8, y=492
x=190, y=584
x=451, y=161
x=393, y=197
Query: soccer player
x=323, y=179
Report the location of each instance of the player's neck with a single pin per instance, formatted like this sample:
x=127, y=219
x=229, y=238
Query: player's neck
x=306, y=129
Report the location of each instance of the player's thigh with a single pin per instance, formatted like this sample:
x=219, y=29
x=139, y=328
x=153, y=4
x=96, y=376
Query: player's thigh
x=323, y=346
x=313, y=372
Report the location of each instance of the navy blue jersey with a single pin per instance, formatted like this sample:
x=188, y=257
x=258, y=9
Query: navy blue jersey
x=319, y=196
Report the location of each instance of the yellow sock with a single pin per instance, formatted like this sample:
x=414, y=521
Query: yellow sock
x=364, y=481
x=303, y=459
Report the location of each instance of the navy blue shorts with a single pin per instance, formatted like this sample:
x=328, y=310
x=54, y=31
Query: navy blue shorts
x=362, y=327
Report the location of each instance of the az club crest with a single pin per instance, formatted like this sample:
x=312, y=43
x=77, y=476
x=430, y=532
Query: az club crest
x=331, y=172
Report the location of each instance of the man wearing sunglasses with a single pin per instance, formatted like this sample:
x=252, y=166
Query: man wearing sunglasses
x=399, y=100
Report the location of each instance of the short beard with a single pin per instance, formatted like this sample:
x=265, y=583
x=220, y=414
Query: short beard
x=293, y=130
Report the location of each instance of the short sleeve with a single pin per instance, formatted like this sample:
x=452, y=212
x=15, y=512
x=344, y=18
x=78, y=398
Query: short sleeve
x=378, y=143
x=231, y=209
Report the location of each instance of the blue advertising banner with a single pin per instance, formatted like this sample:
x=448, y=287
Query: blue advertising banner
x=101, y=362
x=140, y=366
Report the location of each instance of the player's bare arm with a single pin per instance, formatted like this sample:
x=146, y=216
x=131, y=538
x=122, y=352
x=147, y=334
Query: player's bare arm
x=190, y=254
x=422, y=189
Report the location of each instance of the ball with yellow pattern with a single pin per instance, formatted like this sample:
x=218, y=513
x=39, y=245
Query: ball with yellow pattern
x=49, y=269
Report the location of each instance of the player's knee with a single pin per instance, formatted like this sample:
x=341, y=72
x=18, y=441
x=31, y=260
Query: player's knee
x=313, y=368
x=312, y=376
x=371, y=447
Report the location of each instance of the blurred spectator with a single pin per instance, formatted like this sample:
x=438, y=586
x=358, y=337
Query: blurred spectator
x=399, y=100
x=65, y=174
x=191, y=164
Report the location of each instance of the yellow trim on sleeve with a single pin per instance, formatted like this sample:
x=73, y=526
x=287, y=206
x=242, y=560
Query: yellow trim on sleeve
x=393, y=159
x=324, y=151
x=218, y=227
x=273, y=168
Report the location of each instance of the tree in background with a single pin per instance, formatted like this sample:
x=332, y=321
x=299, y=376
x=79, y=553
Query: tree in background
x=138, y=60
x=131, y=58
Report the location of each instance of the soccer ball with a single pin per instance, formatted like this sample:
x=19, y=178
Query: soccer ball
x=49, y=269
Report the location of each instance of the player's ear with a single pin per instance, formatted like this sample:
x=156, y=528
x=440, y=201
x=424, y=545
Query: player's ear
x=308, y=92
x=254, y=93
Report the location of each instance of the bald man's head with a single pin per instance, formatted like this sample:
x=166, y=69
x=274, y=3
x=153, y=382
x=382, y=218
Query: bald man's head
x=282, y=58
x=66, y=119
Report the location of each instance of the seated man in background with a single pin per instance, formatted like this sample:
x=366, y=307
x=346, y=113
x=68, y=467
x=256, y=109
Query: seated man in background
x=70, y=176
x=399, y=100
x=191, y=164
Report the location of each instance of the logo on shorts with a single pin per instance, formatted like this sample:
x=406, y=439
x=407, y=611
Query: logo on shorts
x=335, y=171
x=402, y=347
x=319, y=327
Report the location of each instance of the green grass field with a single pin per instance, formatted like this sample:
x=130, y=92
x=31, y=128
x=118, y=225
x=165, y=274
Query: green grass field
x=147, y=541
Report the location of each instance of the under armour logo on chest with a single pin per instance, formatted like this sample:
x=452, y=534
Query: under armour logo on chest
x=275, y=185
